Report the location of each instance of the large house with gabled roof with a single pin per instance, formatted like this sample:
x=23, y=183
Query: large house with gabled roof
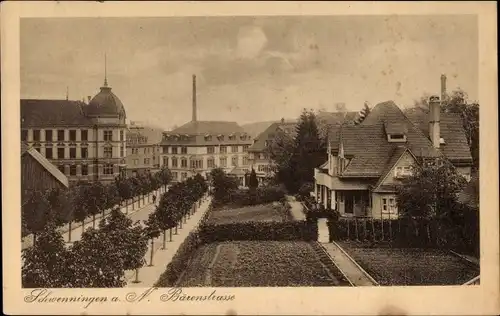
x=197, y=147
x=366, y=162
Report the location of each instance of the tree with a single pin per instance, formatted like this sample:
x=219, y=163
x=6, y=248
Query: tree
x=36, y=213
x=165, y=176
x=222, y=185
x=79, y=202
x=124, y=189
x=253, y=183
x=151, y=231
x=96, y=199
x=430, y=192
x=44, y=263
x=308, y=151
x=127, y=238
x=94, y=262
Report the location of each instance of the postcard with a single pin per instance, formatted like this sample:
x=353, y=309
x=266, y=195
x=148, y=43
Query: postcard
x=250, y=158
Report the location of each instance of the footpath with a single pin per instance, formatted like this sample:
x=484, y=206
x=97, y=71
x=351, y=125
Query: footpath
x=297, y=209
x=142, y=207
x=149, y=274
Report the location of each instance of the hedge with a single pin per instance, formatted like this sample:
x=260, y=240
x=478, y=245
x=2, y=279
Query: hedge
x=261, y=195
x=279, y=231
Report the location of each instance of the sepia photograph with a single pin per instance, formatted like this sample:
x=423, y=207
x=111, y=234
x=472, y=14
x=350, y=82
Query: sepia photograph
x=214, y=153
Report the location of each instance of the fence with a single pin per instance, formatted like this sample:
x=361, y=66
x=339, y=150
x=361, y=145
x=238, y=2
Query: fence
x=460, y=233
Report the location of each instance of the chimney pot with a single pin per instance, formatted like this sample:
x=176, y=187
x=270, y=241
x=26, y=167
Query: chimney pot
x=434, y=120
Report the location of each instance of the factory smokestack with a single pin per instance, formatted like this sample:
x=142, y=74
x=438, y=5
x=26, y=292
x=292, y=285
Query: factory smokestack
x=194, y=99
x=443, y=87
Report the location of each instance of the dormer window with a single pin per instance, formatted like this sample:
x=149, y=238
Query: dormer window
x=442, y=141
x=396, y=138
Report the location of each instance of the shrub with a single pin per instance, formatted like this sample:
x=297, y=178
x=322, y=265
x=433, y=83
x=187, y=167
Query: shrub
x=280, y=231
x=306, y=189
x=261, y=195
x=180, y=260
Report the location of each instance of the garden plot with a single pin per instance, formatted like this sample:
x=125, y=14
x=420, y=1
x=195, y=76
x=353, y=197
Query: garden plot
x=259, y=263
x=411, y=266
x=272, y=212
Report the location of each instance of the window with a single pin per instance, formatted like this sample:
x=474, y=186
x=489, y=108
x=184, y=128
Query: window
x=85, y=170
x=60, y=153
x=210, y=150
x=72, y=135
x=183, y=176
x=61, y=168
x=184, y=150
x=245, y=148
x=234, y=161
x=84, y=152
x=72, y=170
x=165, y=149
x=121, y=136
x=146, y=161
x=48, y=153
x=211, y=162
x=231, y=137
x=60, y=135
x=84, y=135
x=400, y=172
x=136, y=162
x=122, y=151
x=72, y=153
x=223, y=162
x=184, y=163
x=223, y=149
x=165, y=161
x=208, y=138
x=24, y=135
x=145, y=151
x=389, y=205
x=48, y=135
x=37, y=147
x=245, y=160
x=174, y=162
x=197, y=163
x=36, y=135
x=108, y=152
x=108, y=168
x=234, y=149
x=108, y=136
x=174, y=150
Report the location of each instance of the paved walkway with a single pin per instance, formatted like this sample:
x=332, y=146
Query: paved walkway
x=323, y=233
x=297, y=209
x=136, y=211
x=348, y=266
x=148, y=275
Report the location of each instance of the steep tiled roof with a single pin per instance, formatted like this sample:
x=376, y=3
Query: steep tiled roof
x=270, y=133
x=40, y=113
x=47, y=165
x=455, y=147
x=208, y=127
x=367, y=146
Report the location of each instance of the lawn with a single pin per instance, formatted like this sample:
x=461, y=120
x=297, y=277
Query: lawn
x=259, y=263
x=272, y=212
x=411, y=266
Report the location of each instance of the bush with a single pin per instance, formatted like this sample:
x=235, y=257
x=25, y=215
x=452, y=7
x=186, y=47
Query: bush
x=180, y=260
x=262, y=195
x=279, y=231
x=306, y=189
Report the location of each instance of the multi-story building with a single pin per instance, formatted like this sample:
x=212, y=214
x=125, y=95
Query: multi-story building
x=200, y=146
x=85, y=141
x=259, y=154
x=367, y=162
x=143, y=148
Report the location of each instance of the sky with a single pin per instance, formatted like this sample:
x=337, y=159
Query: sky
x=248, y=69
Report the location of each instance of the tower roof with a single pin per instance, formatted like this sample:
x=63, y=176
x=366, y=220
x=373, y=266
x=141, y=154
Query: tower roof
x=105, y=103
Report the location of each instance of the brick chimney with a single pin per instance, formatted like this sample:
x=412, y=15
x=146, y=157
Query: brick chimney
x=434, y=120
x=443, y=87
x=194, y=99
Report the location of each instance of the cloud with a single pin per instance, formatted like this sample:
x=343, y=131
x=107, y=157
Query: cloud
x=251, y=41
